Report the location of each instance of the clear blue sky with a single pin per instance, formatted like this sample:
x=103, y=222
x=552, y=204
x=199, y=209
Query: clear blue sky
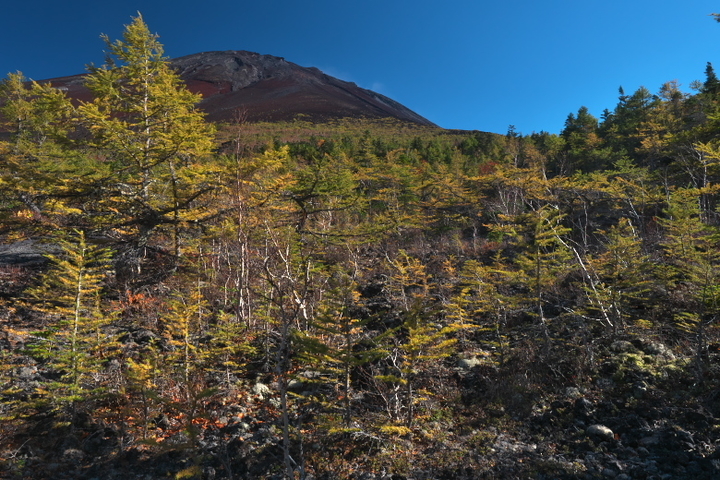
x=468, y=64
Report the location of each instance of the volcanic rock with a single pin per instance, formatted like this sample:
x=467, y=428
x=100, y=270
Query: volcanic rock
x=254, y=87
x=600, y=432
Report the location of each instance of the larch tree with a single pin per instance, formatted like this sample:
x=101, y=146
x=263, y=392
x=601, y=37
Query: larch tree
x=692, y=272
x=339, y=342
x=618, y=277
x=35, y=166
x=76, y=341
x=420, y=341
x=143, y=122
x=480, y=302
x=545, y=259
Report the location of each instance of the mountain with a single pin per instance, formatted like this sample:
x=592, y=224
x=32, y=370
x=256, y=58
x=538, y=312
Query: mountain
x=268, y=88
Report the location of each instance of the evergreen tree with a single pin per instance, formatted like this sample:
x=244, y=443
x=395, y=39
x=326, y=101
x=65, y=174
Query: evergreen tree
x=711, y=86
x=583, y=146
x=658, y=132
x=620, y=131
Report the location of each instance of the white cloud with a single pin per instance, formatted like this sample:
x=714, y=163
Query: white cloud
x=379, y=87
x=334, y=72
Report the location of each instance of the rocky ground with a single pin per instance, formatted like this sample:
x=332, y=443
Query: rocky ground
x=640, y=418
x=624, y=406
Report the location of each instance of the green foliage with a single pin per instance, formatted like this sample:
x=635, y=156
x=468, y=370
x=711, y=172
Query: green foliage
x=620, y=276
x=36, y=114
x=36, y=161
x=691, y=247
x=232, y=347
x=546, y=257
x=143, y=122
x=77, y=341
x=141, y=378
x=424, y=340
x=184, y=322
x=482, y=302
x=366, y=252
x=693, y=268
x=336, y=342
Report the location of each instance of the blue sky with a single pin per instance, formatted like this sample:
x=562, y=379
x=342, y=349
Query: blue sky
x=467, y=64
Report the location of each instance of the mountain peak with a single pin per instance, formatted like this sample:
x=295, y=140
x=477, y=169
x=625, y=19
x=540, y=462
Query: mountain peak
x=266, y=87
x=269, y=88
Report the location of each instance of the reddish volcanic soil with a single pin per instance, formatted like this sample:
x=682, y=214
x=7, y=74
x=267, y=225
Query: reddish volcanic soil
x=267, y=88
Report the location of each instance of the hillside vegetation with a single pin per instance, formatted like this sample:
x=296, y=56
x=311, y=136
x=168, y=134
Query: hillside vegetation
x=357, y=299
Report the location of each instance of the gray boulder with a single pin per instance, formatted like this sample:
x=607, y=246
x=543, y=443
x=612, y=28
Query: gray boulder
x=600, y=432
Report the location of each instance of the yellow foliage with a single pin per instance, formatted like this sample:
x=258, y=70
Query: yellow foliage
x=190, y=472
x=24, y=213
x=398, y=430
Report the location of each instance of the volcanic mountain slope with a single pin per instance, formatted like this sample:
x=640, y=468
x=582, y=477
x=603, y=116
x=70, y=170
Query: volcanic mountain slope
x=267, y=88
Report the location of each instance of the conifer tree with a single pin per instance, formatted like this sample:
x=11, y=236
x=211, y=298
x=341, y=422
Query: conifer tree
x=184, y=321
x=142, y=374
x=143, y=121
x=693, y=268
x=288, y=279
x=619, y=276
x=661, y=132
x=544, y=259
x=711, y=86
x=325, y=190
x=582, y=143
x=481, y=302
x=422, y=340
x=36, y=165
x=75, y=342
x=338, y=342
x=232, y=345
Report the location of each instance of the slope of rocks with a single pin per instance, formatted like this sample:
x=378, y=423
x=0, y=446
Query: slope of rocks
x=267, y=88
